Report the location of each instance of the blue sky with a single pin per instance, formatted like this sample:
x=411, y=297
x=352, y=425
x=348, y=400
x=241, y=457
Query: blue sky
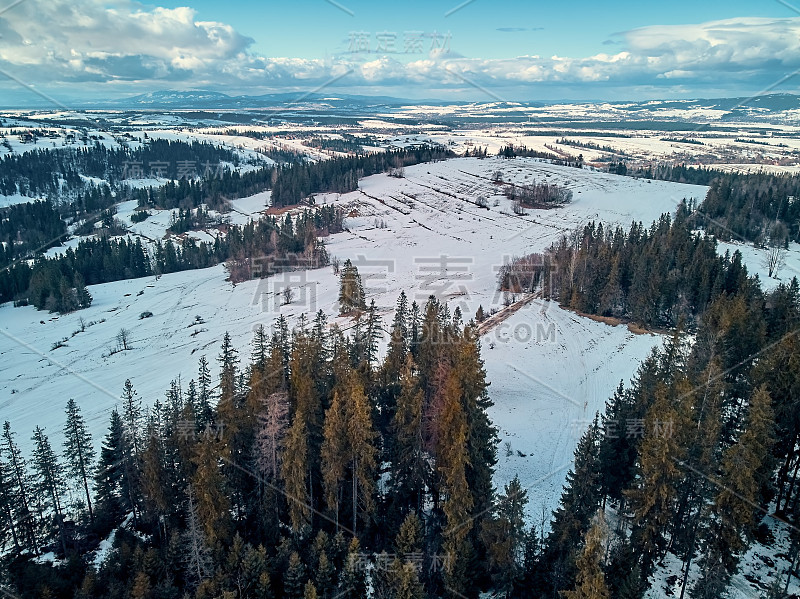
x=310, y=28
x=484, y=50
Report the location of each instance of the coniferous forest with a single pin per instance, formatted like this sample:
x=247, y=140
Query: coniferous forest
x=283, y=474
x=306, y=466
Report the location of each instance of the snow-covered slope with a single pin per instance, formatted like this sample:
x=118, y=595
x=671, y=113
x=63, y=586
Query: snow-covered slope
x=423, y=234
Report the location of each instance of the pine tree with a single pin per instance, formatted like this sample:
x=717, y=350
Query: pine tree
x=50, y=480
x=409, y=462
x=504, y=536
x=132, y=415
x=20, y=488
x=79, y=453
x=590, y=582
x=351, y=291
x=294, y=578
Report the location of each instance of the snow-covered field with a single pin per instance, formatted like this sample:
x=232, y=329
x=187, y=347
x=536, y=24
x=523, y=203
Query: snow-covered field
x=550, y=371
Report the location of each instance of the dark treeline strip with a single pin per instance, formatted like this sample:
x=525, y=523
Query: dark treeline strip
x=28, y=227
x=340, y=175
x=52, y=283
x=679, y=173
x=512, y=151
x=757, y=208
x=657, y=277
x=347, y=143
x=56, y=173
x=214, y=191
x=282, y=478
x=702, y=443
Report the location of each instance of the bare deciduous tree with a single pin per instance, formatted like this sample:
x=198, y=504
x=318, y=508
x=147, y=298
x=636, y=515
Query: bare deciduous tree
x=124, y=340
x=774, y=260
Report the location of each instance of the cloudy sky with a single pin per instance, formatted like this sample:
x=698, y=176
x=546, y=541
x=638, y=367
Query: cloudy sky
x=479, y=50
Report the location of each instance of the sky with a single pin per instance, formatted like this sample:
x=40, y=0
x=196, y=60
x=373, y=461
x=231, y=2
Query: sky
x=467, y=50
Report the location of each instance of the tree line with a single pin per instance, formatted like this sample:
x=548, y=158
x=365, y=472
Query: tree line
x=297, y=182
x=689, y=458
x=58, y=283
x=662, y=276
x=58, y=173
x=308, y=472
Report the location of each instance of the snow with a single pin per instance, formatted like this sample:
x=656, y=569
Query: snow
x=6, y=201
x=754, y=259
x=550, y=370
x=435, y=242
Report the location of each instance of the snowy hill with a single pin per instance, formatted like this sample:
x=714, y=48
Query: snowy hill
x=421, y=234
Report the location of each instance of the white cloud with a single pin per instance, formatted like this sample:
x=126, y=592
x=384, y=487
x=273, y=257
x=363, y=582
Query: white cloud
x=72, y=41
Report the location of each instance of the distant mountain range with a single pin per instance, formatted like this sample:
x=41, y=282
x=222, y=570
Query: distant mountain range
x=740, y=107
x=219, y=101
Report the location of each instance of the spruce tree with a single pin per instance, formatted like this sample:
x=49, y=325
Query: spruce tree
x=213, y=502
x=351, y=291
x=406, y=583
x=410, y=468
x=21, y=491
x=204, y=412
x=579, y=502
x=295, y=577
x=79, y=453
x=352, y=581
x=325, y=577
x=653, y=497
x=117, y=477
x=451, y=463
x=411, y=536
x=730, y=523
x=132, y=415
x=334, y=453
x=197, y=556
x=8, y=527
x=504, y=536
x=294, y=472
x=362, y=452
x=273, y=422
x=228, y=360
x=50, y=480
x=590, y=581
